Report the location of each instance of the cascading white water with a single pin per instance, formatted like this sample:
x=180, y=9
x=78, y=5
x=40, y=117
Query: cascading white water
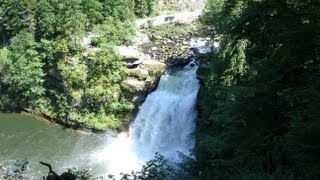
x=166, y=119
x=164, y=124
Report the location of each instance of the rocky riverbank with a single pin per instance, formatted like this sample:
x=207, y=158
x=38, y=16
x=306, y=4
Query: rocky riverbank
x=162, y=45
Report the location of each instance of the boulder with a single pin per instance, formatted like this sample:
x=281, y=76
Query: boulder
x=128, y=52
x=140, y=73
x=143, y=79
x=133, y=85
x=156, y=68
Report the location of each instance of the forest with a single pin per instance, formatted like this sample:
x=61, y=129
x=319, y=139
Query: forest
x=260, y=100
x=45, y=67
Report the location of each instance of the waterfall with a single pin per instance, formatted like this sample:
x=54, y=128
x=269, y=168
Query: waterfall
x=163, y=124
x=166, y=119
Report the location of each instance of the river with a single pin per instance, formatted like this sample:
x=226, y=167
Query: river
x=29, y=137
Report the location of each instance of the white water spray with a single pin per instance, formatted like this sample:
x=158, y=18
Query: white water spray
x=166, y=119
x=164, y=124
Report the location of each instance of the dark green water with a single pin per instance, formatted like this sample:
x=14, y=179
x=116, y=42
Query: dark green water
x=27, y=137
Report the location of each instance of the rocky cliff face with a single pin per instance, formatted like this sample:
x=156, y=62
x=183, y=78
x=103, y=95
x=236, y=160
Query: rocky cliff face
x=162, y=42
x=144, y=74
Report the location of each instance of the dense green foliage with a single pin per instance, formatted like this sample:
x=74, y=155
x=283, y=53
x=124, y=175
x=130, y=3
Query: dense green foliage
x=259, y=105
x=144, y=7
x=46, y=66
x=22, y=75
x=158, y=168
